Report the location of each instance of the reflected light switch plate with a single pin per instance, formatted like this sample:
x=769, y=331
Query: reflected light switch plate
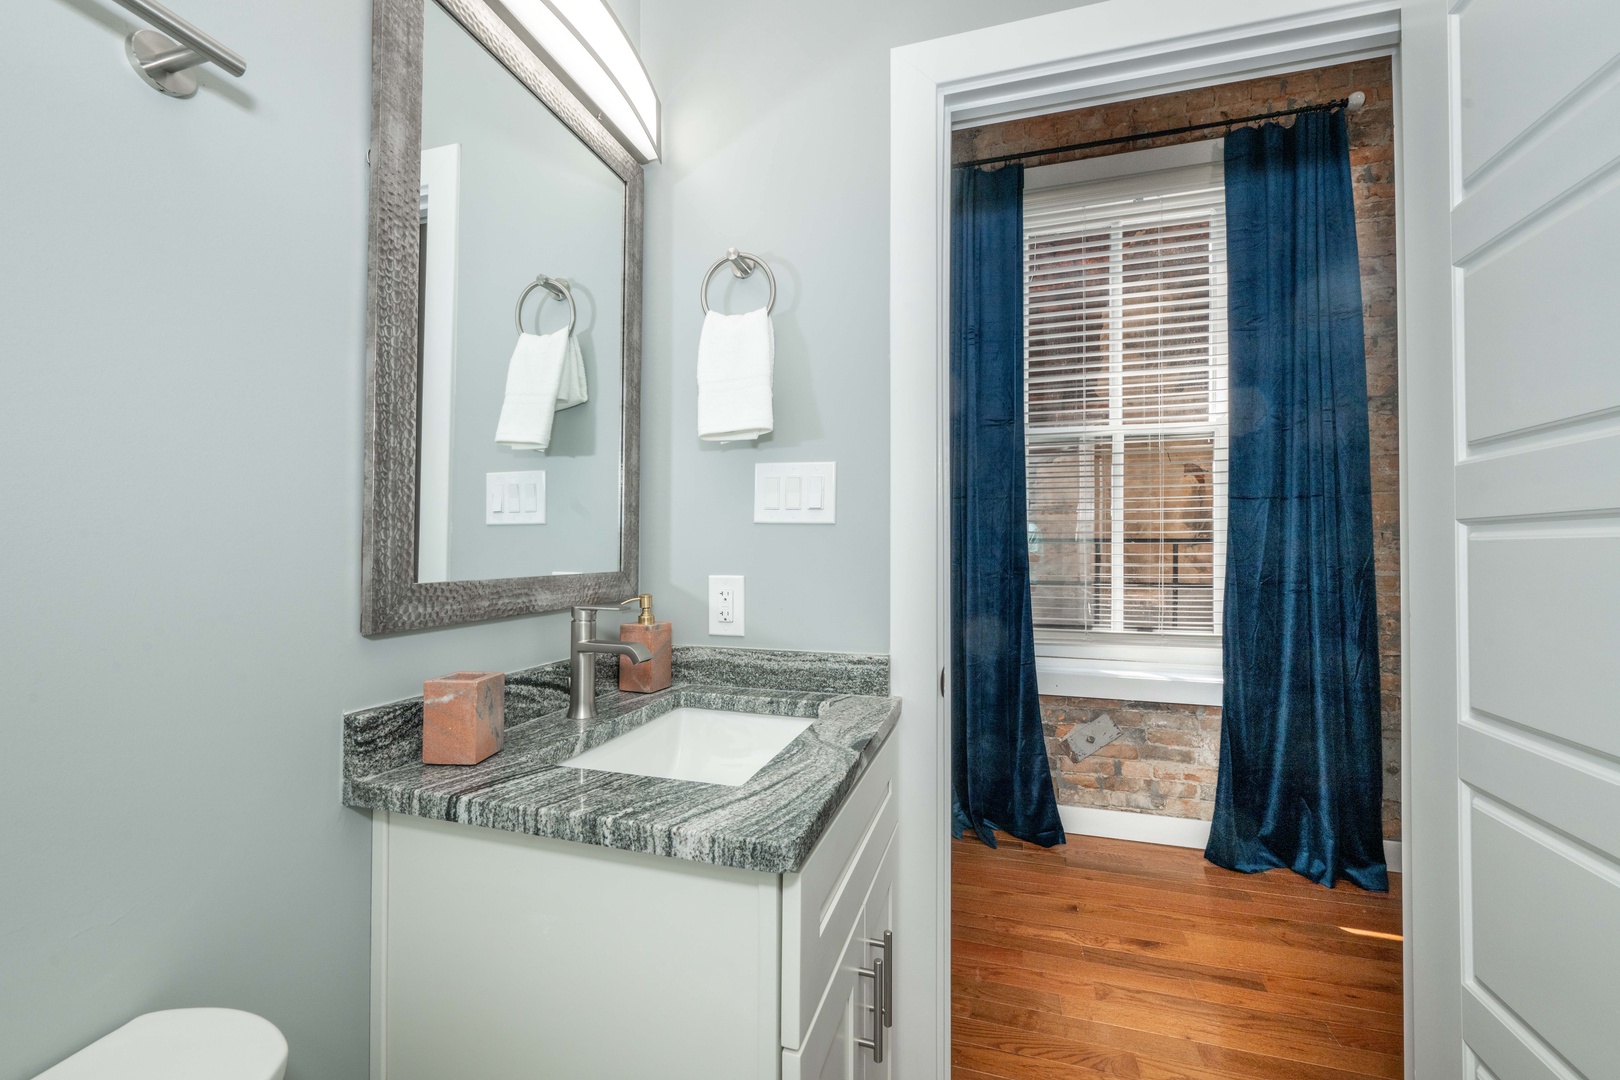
x=796, y=493
x=515, y=498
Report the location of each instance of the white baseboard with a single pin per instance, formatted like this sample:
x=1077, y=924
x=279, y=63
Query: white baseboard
x=1143, y=828
x=1157, y=829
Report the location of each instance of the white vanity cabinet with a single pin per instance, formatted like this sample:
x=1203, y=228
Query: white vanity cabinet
x=502, y=956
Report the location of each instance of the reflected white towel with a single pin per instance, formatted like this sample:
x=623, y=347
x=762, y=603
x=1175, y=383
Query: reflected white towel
x=736, y=362
x=547, y=373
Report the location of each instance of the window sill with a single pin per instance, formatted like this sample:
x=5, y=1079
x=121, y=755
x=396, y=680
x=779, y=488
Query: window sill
x=1129, y=680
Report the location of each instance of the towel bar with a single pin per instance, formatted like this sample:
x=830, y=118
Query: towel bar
x=558, y=288
x=161, y=59
x=742, y=265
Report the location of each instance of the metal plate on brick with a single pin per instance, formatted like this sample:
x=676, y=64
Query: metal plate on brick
x=1086, y=739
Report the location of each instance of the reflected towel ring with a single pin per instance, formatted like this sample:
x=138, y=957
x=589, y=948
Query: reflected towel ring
x=742, y=265
x=558, y=288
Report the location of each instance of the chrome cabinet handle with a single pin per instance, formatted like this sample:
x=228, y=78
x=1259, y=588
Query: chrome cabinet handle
x=887, y=945
x=879, y=976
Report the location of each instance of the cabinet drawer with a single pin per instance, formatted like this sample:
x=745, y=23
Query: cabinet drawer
x=822, y=902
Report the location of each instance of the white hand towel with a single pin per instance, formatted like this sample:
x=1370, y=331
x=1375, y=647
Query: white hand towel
x=547, y=373
x=736, y=362
x=571, y=387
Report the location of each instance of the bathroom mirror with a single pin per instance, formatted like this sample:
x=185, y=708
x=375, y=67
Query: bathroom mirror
x=503, y=345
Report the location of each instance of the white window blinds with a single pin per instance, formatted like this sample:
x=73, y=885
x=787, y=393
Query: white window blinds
x=1125, y=402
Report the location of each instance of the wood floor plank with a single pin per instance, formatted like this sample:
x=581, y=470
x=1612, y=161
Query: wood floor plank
x=1022, y=869
x=1122, y=919
x=1107, y=958
x=1158, y=866
x=1094, y=979
x=1284, y=960
x=1002, y=1006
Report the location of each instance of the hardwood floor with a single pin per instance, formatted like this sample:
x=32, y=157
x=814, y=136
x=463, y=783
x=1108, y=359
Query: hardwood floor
x=1128, y=960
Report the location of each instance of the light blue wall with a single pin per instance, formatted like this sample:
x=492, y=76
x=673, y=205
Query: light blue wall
x=776, y=120
x=182, y=290
x=182, y=298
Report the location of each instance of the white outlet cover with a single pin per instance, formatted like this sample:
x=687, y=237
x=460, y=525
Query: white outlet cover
x=718, y=584
x=783, y=493
x=515, y=498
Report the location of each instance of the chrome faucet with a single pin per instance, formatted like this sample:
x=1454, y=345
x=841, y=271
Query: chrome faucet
x=582, y=644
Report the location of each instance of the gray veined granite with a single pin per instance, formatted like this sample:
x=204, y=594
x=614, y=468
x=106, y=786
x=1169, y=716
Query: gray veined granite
x=831, y=673
x=768, y=824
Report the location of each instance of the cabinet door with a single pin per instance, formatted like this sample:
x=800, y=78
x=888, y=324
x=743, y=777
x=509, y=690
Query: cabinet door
x=876, y=919
x=828, y=1050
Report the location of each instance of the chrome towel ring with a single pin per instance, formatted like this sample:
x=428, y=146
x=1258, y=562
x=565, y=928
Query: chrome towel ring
x=742, y=265
x=558, y=288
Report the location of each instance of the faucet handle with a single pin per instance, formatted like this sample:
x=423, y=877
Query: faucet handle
x=580, y=610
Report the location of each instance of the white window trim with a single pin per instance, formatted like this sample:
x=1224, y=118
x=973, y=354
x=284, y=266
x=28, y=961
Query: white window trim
x=1175, y=671
x=1171, y=669
x=1146, y=679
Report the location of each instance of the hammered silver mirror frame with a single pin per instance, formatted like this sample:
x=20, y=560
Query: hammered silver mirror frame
x=392, y=600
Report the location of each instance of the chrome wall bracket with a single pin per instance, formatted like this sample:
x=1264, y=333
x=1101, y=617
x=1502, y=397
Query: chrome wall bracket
x=162, y=64
x=163, y=57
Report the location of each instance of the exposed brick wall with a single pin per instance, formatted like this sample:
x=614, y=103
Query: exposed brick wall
x=1166, y=760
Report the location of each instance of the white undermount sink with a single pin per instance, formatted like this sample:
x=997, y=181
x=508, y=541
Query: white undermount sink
x=709, y=746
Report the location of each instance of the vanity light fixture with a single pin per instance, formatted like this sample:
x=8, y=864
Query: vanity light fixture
x=591, y=50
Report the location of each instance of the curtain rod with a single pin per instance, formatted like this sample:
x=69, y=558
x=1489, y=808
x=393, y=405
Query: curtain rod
x=1352, y=103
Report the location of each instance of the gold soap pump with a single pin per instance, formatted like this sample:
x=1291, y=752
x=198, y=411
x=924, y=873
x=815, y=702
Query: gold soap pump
x=657, y=636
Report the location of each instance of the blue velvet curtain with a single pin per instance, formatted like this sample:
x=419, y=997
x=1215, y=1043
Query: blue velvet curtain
x=1000, y=776
x=1300, y=782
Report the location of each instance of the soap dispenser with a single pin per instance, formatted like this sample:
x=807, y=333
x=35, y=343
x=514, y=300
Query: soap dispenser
x=657, y=636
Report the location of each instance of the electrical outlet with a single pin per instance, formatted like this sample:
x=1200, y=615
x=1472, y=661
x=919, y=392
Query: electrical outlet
x=726, y=605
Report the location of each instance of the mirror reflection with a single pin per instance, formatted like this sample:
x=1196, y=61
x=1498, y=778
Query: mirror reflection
x=520, y=429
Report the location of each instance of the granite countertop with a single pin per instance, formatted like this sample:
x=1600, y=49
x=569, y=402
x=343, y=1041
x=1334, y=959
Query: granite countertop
x=769, y=824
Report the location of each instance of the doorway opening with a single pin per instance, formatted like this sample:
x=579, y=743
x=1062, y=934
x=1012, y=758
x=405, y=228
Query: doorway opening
x=1124, y=948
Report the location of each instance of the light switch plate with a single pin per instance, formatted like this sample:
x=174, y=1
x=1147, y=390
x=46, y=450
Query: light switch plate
x=726, y=605
x=788, y=493
x=515, y=498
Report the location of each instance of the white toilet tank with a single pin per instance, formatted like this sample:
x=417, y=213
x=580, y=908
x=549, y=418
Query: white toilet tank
x=182, y=1044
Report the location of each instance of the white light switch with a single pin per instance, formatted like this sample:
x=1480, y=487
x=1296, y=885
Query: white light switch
x=515, y=498
x=726, y=605
x=800, y=493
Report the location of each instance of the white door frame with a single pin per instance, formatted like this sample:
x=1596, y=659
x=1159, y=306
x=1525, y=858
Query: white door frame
x=1105, y=51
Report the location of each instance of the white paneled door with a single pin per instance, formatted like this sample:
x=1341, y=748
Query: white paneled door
x=1535, y=237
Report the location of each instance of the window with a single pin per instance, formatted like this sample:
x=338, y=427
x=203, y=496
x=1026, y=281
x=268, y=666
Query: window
x=1125, y=397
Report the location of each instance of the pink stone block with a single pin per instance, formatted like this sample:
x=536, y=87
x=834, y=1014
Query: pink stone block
x=463, y=717
x=655, y=674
